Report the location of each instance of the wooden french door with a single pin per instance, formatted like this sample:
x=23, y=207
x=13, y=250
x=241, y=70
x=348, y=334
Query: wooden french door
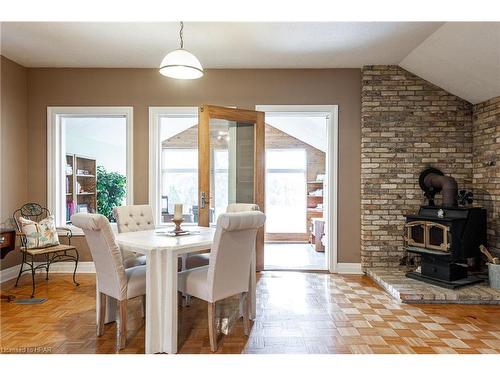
x=231, y=157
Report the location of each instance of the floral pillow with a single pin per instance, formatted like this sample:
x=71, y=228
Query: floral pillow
x=41, y=234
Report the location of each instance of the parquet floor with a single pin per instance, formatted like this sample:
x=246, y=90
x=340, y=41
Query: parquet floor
x=296, y=313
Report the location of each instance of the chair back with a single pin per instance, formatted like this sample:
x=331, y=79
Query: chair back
x=242, y=207
x=106, y=254
x=134, y=218
x=30, y=211
x=232, y=252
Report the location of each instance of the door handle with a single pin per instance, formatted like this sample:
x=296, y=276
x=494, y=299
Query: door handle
x=204, y=200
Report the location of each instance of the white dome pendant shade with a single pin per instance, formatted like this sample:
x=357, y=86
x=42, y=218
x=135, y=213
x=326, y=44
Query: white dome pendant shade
x=181, y=64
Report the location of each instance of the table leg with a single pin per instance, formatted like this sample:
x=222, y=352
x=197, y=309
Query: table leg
x=161, y=302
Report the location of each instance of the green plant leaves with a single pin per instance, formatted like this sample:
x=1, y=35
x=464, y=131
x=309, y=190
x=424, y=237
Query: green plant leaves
x=111, y=189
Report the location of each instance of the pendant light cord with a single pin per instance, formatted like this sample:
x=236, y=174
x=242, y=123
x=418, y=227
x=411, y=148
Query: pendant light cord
x=180, y=34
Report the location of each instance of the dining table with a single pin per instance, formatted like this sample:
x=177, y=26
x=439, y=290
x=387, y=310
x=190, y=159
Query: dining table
x=162, y=251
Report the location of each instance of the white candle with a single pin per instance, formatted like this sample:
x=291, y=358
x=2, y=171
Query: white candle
x=177, y=211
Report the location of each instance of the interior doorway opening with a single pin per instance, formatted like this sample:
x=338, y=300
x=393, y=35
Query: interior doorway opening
x=298, y=195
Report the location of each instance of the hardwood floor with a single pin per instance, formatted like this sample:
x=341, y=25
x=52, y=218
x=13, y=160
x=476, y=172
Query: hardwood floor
x=296, y=313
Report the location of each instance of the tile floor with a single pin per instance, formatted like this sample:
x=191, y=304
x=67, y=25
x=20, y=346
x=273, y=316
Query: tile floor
x=293, y=256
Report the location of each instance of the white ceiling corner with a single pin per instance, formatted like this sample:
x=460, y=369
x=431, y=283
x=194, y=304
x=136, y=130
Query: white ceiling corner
x=462, y=58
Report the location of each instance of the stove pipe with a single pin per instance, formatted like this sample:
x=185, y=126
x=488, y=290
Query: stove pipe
x=448, y=186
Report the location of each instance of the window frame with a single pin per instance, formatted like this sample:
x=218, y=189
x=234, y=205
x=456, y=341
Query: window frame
x=155, y=116
x=56, y=149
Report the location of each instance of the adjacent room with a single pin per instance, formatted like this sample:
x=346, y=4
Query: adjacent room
x=296, y=149
x=250, y=188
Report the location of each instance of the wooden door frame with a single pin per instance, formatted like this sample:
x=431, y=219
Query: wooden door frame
x=207, y=112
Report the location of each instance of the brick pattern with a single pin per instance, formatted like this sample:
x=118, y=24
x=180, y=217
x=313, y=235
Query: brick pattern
x=407, y=124
x=486, y=165
x=407, y=290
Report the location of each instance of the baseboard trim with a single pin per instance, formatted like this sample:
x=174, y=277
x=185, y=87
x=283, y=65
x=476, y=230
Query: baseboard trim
x=62, y=267
x=349, y=268
x=9, y=273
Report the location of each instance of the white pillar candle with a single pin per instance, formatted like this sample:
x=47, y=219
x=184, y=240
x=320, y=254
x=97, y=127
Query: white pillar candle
x=177, y=211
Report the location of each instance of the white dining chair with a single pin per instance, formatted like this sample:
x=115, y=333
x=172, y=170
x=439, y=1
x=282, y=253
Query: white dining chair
x=242, y=207
x=139, y=217
x=228, y=271
x=113, y=279
x=131, y=219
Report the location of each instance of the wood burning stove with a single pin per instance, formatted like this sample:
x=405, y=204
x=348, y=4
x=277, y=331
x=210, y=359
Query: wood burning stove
x=447, y=239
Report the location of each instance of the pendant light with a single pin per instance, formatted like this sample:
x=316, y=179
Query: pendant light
x=181, y=64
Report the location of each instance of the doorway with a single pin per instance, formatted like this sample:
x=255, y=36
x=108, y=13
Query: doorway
x=300, y=187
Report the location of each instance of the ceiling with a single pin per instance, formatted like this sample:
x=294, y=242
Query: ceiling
x=237, y=44
x=461, y=57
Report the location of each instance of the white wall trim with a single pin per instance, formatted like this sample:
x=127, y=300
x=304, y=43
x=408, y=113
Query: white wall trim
x=9, y=273
x=62, y=267
x=332, y=165
x=56, y=149
x=349, y=268
x=155, y=114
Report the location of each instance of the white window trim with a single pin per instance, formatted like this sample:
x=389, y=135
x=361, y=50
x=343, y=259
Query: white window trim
x=56, y=149
x=331, y=186
x=155, y=113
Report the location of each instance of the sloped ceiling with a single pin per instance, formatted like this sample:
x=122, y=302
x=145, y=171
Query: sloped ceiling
x=308, y=129
x=462, y=58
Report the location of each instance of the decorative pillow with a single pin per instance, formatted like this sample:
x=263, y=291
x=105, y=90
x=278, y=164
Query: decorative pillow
x=41, y=234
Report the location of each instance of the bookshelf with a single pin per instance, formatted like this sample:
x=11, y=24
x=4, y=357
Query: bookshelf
x=313, y=212
x=81, y=184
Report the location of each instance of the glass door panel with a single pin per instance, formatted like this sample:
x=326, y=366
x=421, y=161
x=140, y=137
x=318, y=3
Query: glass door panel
x=230, y=162
x=232, y=166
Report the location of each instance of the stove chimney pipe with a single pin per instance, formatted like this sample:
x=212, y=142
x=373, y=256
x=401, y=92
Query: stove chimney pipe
x=446, y=184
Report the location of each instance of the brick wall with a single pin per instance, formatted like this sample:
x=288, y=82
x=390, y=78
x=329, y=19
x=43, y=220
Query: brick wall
x=486, y=165
x=407, y=124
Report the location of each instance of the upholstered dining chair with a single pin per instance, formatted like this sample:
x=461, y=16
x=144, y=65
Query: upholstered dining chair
x=202, y=259
x=228, y=271
x=131, y=219
x=242, y=207
x=42, y=223
x=113, y=279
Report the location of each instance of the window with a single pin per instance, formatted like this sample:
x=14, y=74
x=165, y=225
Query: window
x=173, y=162
x=179, y=180
x=89, y=152
x=286, y=191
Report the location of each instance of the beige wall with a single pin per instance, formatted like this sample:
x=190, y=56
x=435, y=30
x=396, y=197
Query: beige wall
x=13, y=145
x=142, y=88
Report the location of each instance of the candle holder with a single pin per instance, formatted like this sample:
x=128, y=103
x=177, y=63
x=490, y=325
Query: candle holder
x=178, y=223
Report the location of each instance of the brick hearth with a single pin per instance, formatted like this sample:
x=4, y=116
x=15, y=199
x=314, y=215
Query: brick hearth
x=406, y=290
